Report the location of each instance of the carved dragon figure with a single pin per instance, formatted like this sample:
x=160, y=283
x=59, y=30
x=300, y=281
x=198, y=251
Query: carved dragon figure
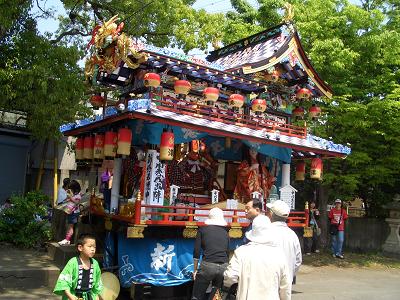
x=110, y=48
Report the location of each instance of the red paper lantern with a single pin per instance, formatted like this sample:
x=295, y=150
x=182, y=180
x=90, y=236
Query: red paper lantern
x=97, y=101
x=316, y=168
x=88, y=146
x=303, y=94
x=182, y=87
x=79, y=149
x=258, y=106
x=298, y=112
x=236, y=100
x=152, y=80
x=167, y=145
x=98, y=152
x=211, y=95
x=314, y=111
x=124, y=141
x=110, y=144
x=300, y=171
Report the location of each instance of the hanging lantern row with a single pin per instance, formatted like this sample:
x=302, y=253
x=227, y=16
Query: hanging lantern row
x=314, y=112
x=315, y=170
x=103, y=146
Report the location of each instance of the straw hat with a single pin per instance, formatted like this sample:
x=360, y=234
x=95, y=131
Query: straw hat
x=279, y=208
x=111, y=286
x=259, y=230
x=215, y=217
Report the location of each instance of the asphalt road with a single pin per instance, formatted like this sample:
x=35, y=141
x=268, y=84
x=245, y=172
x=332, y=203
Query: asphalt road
x=313, y=283
x=332, y=282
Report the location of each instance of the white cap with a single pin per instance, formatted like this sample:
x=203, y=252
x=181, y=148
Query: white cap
x=216, y=217
x=279, y=208
x=259, y=230
x=338, y=201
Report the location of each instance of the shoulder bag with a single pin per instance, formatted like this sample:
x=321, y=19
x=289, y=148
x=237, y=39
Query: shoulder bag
x=334, y=228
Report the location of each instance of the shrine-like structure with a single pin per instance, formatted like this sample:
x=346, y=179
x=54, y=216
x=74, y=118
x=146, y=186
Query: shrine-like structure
x=180, y=135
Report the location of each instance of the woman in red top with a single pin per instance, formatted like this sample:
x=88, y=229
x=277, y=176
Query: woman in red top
x=338, y=215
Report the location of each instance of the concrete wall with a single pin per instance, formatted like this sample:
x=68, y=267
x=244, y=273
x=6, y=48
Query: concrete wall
x=365, y=234
x=14, y=147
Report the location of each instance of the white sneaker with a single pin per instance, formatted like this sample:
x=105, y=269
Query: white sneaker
x=64, y=242
x=316, y=251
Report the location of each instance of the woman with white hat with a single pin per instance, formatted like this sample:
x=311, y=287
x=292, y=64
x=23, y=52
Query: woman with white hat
x=212, y=241
x=259, y=267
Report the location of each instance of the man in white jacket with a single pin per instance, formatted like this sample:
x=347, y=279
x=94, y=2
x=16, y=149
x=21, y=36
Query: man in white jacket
x=284, y=237
x=259, y=267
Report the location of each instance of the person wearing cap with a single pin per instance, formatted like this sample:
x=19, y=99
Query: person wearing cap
x=286, y=238
x=338, y=215
x=212, y=241
x=259, y=267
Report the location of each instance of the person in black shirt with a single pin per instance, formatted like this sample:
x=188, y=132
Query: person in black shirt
x=213, y=242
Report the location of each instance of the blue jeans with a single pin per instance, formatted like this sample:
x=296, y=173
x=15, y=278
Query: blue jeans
x=208, y=272
x=337, y=243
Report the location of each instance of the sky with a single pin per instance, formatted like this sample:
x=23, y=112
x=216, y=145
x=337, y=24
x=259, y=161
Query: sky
x=51, y=25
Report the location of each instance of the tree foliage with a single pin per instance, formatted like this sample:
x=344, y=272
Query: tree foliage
x=355, y=49
x=24, y=223
x=37, y=77
x=173, y=23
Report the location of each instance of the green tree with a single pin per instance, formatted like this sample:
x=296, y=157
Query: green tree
x=173, y=23
x=38, y=78
x=354, y=48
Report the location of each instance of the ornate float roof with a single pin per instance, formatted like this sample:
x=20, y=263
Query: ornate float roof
x=307, y=147
x=278, y=48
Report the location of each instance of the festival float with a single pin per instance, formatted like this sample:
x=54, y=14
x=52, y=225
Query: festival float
x=180, y=135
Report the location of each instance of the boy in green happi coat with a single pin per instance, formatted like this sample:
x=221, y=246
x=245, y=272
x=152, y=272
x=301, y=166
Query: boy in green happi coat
x=80, y=279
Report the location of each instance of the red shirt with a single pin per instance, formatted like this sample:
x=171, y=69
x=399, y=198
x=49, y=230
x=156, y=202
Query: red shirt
x=334, y=216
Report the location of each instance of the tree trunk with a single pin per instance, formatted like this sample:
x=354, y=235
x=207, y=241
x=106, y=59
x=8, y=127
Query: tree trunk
x=323, y=202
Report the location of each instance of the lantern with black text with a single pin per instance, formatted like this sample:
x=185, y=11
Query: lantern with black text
x=97, y=101
x=152, y=80
x=300, y=170
x=298, y=112
x=167, y=145
x=314, y=111
x=79, y=149
x=124, y=141
x=258, y=106
x=88, y=146
x=236, y=101
x=182, y=87
x=211, y=95
x=316, y=168
x=110, y=144
x=98, y=153
x=303, y=94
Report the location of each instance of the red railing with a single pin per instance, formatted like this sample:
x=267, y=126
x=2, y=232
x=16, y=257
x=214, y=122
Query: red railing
x=158, y=215
x=228, y=116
